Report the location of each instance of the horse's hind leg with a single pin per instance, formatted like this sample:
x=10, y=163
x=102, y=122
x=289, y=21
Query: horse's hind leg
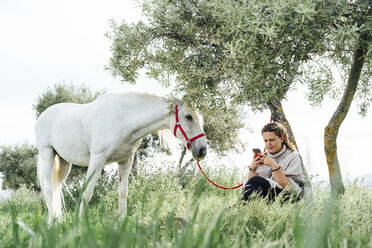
x=45, y=174
x=65, y=168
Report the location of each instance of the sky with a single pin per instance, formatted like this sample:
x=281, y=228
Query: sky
x=44, y=42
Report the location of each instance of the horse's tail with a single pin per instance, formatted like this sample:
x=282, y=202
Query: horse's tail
x=57, y=196
x=58, y=200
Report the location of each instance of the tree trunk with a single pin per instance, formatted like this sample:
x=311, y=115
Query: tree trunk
x=277, y=115
x=331, y=130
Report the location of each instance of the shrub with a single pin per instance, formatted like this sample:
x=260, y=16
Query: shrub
x=18, y=163
x=64, y=93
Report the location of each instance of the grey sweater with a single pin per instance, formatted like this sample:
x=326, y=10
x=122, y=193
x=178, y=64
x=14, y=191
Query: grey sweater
x=291, y=165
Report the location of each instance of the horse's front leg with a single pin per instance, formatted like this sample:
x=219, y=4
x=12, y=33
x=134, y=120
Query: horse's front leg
x=96, y=165
x=123, y=171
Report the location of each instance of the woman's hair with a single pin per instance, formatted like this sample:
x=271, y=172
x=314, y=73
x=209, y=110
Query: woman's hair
x=279, y=131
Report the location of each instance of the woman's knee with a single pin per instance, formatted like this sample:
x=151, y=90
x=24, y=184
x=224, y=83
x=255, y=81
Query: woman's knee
x=259, y=181
x=255, y=185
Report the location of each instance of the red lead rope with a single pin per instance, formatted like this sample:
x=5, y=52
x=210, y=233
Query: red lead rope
x=215, y=184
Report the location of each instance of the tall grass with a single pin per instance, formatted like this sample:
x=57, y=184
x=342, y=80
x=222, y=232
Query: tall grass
x=173, y=210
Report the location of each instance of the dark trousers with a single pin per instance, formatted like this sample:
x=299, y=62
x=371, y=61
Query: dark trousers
x=260, y=187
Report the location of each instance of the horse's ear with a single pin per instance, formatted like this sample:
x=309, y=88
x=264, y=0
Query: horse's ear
x=176, y=101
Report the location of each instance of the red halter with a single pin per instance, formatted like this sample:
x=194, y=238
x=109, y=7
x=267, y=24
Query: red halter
x=178, y=125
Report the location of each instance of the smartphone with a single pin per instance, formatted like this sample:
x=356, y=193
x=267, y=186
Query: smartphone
x=256, y=152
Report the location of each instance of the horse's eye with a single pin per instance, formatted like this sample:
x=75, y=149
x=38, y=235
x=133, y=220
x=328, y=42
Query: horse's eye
x=189, y=117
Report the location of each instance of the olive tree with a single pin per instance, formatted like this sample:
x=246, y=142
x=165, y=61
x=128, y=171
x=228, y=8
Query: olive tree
x=221, y=51
x=349, y=47
x=355, y=54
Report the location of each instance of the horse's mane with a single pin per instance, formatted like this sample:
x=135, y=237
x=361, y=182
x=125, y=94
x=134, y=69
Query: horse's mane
x=195, y=113
x=167, y=139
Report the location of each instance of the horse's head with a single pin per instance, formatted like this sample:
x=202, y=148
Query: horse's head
x=187, y=125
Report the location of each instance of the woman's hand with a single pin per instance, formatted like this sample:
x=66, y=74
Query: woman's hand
x=278, y=174
x=270, y=162
x=257, y=161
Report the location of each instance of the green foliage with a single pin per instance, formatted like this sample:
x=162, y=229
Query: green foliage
x=222, y=125
x=163, y=214
x=18, y=164
x=320, y=84
x=240, y=50
x=221, y=53
x=351, y=28
x=364, y=92
x=64, y=93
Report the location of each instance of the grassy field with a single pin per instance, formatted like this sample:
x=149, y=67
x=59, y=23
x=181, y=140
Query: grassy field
x=173, y=210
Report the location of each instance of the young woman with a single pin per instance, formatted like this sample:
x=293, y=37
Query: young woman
x=279, y=170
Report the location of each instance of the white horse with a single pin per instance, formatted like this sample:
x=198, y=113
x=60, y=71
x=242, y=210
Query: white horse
x=104, y=131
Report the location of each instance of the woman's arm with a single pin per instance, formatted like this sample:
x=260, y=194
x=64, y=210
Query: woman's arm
x=251, y=174
x=278, y=174
x=254, y=165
